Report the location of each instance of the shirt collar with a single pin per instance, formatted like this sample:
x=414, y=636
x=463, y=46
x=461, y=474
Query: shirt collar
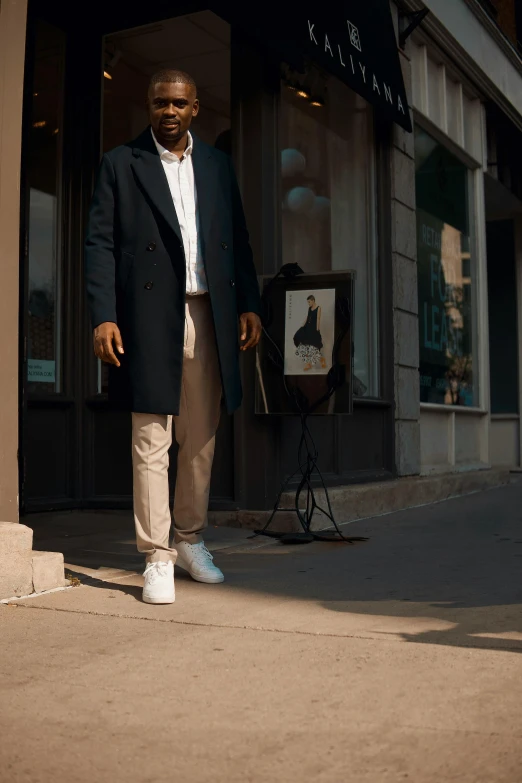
x=164, y=153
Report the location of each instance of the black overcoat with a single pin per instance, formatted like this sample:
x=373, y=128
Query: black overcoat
x=135, y=270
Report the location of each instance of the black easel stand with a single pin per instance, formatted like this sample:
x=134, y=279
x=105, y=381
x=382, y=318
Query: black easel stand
x=305, y=503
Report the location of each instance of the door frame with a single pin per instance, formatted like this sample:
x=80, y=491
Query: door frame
x=80, y=150
x=257, y=442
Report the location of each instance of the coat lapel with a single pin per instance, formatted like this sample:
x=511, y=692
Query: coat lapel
x=205, y=177
x=149, y=171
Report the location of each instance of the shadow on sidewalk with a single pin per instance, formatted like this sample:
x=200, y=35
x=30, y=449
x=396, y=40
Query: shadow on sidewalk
x=447, y=574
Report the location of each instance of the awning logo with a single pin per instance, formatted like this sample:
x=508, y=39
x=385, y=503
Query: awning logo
x=355, y=39
x=368, y=81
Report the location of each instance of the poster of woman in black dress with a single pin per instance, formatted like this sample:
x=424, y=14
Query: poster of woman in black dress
x=309, y=332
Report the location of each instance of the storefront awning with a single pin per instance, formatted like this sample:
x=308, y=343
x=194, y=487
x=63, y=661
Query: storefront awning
x=354, y=40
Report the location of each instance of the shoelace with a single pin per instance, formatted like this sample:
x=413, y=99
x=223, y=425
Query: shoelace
x=155, y=571
x=202, y=555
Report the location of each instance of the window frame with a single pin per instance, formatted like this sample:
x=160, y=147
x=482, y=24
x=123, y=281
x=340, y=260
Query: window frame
x=60, y=389
x=476, y=216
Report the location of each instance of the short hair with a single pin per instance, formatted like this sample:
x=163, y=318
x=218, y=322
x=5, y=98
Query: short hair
x=310, y=297
x=171, y=75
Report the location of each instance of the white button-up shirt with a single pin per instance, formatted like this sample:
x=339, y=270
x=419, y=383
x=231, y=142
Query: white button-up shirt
x=180, y=176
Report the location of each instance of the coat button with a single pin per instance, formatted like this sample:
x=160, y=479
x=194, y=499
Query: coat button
x=151, y=246
x=148, y=285
x=233, y=283
x=224, y=246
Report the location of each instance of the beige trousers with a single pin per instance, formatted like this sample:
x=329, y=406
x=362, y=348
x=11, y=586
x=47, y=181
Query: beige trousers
x=195, y=432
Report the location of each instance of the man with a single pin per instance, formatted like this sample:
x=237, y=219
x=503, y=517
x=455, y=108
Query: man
x=169, y=269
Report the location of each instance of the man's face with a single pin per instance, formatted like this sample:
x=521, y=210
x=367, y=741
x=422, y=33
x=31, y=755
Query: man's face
x=172, y=105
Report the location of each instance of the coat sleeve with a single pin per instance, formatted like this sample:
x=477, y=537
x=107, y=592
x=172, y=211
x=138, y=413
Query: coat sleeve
x=247, y=288
x=100, y=263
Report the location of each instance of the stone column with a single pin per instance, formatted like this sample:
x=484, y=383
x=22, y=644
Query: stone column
x=16, y=573
x=21, y=569
x=405, y=296
x=12, y=54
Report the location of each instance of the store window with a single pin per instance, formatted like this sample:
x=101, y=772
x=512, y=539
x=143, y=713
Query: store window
x=328, y=191
x=446, y=275
x=44, y=346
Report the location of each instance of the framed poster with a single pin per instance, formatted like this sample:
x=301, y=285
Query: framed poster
x=305, y=358
x=309, y=331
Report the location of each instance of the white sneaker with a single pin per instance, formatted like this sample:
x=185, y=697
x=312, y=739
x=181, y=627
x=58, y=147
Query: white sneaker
x=159, y=583
x=197, y=560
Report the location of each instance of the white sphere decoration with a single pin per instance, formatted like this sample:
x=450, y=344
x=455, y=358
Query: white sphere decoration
x=300, y=200
x=321, y=207
x=292, y=162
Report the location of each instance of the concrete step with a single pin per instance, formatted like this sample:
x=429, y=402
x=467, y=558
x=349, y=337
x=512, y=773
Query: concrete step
x=16, y=567
x=361, y=501
x=15, y=538
x=48, y=571
x=23, y=570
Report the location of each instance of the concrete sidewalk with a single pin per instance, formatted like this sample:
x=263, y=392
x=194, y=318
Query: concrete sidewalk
x=389, y=660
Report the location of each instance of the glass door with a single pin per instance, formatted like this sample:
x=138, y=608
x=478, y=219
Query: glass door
x=129, y=58
x=44, y=303
x=46, y=404
x=86, y=93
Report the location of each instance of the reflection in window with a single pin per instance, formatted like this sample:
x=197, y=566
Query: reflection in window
x=44, y=175
x=445, y=275
x=328, y=188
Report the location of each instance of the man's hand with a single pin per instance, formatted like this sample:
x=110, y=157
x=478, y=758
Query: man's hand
x=250, y=330
x=103, y=337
